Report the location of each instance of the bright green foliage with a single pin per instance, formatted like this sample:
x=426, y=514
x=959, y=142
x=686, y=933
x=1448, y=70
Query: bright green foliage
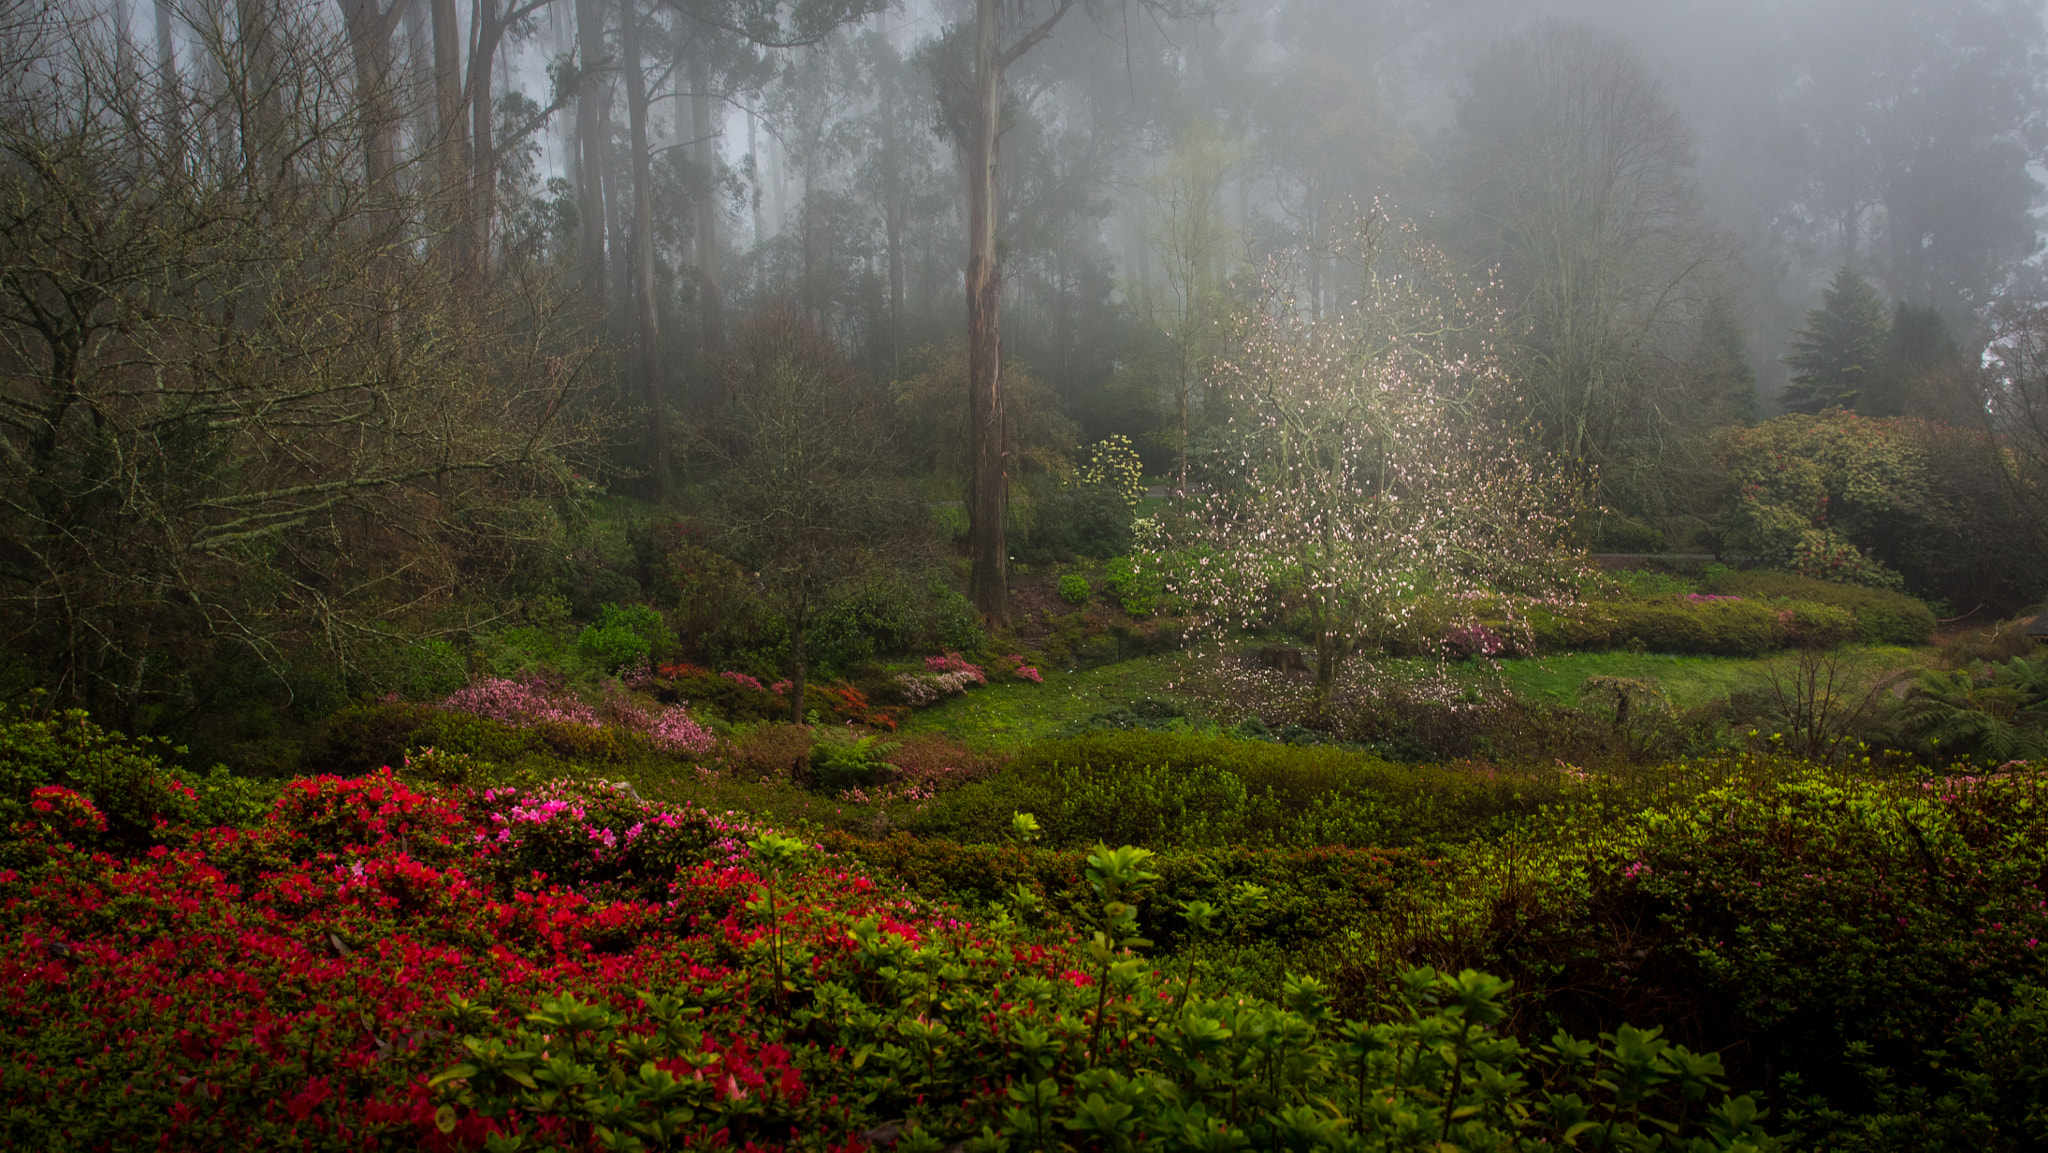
x=1137, y=588
x=1192, y=789
x=1882, y=617
x=623, y=637
x=1665, y=624
x=1074, y=589
x=921, y=1021
x=1840, y=352
x=1114, y=463
x=839, y=763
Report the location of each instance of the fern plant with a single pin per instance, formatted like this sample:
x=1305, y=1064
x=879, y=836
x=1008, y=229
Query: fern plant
x=1992, y=711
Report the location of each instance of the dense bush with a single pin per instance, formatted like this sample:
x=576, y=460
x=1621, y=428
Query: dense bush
x=119, y=776
x=624, y=637
x=1798, y=920
x=1882, y=617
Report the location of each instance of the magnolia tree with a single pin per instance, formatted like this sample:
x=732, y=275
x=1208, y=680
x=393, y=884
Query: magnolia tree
x=1365, y=467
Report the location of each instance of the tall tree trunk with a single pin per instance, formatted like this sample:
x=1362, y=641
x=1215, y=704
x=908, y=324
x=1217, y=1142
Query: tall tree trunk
x=593, y=132
x=173, y=96
x=369, y=38
x=709, y=296
x=647, y=327
x=451, y=133
x=483, y=178
x=989, y=487
x=760, y=176
x=256, y=38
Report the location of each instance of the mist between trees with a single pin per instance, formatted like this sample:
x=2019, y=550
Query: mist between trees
x=323, y=320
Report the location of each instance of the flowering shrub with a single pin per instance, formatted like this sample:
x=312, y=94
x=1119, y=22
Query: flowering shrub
x=572, y=726
x=597, y=836
x=1018, y=667
x=954, y=663
x=522, y=703
x=118, y=776
x=62, y=813
x=377, y=965
x=743, y=680
x=1470, y=640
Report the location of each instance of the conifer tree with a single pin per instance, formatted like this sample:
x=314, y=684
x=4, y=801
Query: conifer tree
x=1839, y=354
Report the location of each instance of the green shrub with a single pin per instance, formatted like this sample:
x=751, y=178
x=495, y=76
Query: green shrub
x=1074, y=589
x=1882, y=617
x=1679, y=624
x=623, y=637
x=1819, y=626
x=1617, y=533
x=1137, y=589
x=120, y=775
x=1648, y=583
x=1299, y=900
x=1793, y=917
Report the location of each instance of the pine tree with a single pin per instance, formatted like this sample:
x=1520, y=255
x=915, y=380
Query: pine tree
x=1840, y=352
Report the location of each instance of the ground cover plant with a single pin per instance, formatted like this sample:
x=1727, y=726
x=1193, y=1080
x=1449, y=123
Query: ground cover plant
x=376, y=963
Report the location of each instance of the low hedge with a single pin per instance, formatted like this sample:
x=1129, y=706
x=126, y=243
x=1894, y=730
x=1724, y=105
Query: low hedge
x=1882, y=617
x=1179, y=789
x=1721, y=624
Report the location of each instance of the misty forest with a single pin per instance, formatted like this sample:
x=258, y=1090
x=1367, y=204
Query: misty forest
x=964, y=576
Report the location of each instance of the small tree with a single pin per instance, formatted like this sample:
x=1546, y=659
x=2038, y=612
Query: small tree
x=1364, y=467
x=1840, y=352
x=809, y=499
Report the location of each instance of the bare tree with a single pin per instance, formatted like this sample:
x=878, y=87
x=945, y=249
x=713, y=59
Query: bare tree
x=1574, y=179
x=237, y=406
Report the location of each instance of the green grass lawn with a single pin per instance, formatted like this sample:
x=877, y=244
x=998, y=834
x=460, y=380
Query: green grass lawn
x=1008, y=714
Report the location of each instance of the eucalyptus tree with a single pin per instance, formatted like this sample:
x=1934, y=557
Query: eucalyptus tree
x=1915, y=127
x=972, y=96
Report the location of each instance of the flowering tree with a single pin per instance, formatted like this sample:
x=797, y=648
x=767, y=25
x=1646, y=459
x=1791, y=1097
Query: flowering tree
x=1364, y=465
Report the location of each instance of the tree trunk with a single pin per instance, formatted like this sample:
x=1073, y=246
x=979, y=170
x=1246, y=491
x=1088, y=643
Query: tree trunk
x=369, y=40
x=989, y=487
x=647, y=334
x=483, y=188
x=709, y=296
x=799, y=670
x=593, y=130
x=263, y=87
x=167, y=75
x=451, y=134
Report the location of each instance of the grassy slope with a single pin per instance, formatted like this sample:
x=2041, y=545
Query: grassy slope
x=1009, y=714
